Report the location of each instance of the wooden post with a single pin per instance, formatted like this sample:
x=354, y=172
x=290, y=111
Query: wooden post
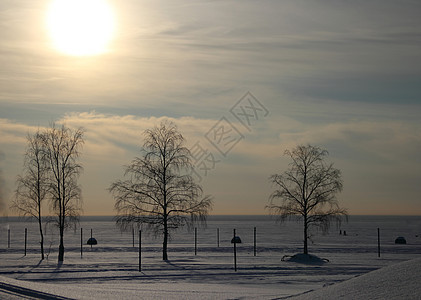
x=378, y=241
x=91, y=238
x=195, y=241
x=254, y=241
x=81, y=241
x=235, y=253
x=217, y=236
x=26, y=237
x=140, y=250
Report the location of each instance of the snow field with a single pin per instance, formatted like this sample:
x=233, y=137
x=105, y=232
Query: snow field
x=110, y=269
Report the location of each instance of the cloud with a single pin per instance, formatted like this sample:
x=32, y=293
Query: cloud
x=112, y=137
x=182, y=53
x=375, y=152
x=115, y=132
x=113, y=141
x=14, y=133
x=378, y=158
x=380, y=141
x=343, y=75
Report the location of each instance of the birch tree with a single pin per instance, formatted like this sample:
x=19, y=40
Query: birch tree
x=63, y=146
x=32, y=186
x=158, y=190
x=308, y=190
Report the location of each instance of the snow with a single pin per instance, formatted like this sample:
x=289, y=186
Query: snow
x=136, y=290
x=398, y=281
x=114, y=274
x=193, y=278
x=109, y=270
x=185, y=276
x=302, y=258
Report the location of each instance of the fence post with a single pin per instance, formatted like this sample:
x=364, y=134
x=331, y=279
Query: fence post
x=235, y=252
x=133, y=235
x=140, y=250
x=254, y=241
x=81, y=241
x=195, y=241
x=26, y=236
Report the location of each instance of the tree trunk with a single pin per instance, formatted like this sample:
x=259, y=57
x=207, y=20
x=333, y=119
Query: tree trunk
x=39, y=199
x=165, y=243
x=61, y=246
x=42, y=238
x=61, y=251
x=62, y=217
x=305, y=235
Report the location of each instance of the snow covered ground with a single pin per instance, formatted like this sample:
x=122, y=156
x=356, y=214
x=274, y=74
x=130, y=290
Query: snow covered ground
x=397, y=281
x=110, y=269
x=113, y=275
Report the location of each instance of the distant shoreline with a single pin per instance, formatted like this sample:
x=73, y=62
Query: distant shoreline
x=111, y=217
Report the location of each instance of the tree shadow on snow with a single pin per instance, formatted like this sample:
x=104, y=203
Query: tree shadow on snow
x=174, y=265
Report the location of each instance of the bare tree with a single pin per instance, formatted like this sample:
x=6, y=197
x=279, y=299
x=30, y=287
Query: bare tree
x=159, y=191
x=32, y=187
x=308, y=190
x=63, y=147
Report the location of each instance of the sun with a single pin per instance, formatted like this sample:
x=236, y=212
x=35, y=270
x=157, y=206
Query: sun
x=80, y=27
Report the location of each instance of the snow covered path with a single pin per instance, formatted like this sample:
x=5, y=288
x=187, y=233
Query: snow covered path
x=10, y=291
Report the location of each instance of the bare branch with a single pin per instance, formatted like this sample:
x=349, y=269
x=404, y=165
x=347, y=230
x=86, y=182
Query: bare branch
x=63, y=148
x=307, y=189
x=158, y=191
x=32, y=186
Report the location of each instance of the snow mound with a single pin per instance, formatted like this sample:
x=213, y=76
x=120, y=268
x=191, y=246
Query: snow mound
x=398, y=281
x=309, y=259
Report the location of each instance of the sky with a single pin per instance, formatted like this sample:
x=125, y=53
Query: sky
x=341, y=75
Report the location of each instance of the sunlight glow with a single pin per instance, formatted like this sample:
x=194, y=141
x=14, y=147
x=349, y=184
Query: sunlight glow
x=80, y=27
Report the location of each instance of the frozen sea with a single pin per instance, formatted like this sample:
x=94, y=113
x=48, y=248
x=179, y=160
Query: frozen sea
x=110, y=269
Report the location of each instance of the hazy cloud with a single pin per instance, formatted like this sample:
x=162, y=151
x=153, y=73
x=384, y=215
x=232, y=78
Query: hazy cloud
x=357, y=51
x=391, y=143
x=376, y=151
x=344, y=75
